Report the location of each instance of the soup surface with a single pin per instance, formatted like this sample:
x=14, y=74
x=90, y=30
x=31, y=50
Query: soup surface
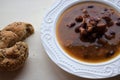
x=90, y=32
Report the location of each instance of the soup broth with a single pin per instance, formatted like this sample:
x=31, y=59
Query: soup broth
x=90, y=32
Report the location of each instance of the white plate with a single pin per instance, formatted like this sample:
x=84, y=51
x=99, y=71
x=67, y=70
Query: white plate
x=64, y=61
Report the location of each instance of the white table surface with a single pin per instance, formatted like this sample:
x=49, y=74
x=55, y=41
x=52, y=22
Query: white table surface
x=38, y=65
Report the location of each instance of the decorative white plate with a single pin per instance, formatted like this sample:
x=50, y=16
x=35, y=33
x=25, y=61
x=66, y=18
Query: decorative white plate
x=64, y=61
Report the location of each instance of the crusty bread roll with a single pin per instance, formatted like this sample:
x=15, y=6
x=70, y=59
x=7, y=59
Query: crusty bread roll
x=14, y=52
x=22, y=29
x=14, y=57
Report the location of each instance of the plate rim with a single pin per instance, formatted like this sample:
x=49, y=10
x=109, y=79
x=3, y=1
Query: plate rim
x=47, y=22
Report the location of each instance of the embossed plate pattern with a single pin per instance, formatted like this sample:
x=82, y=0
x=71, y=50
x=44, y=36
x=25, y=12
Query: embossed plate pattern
x=49, y=41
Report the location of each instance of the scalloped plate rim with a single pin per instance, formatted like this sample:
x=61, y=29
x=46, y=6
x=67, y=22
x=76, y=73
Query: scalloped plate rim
x=57, y=62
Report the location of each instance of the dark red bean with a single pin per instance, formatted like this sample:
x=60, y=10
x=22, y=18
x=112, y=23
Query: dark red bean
x=101, y=28
x=77, y=29
x=79, y=19
x=118, y=18
x=71, y=25
x=107, y=17
x=84, y=25
x=112, y=33
x=118, y=23
x=91, y=6
x=105, y=9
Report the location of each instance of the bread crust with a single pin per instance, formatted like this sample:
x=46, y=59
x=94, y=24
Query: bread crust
x=14, y=57
x=22, y=29
x=13, y=51
x=7, y=39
